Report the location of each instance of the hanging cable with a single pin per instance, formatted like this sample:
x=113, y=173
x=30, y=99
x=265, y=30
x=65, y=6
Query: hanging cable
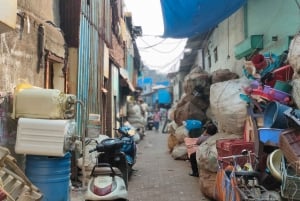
x=150, y=46
x=165, y=52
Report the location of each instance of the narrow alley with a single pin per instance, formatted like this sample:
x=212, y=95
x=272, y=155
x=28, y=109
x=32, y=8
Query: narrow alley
x=160, y=177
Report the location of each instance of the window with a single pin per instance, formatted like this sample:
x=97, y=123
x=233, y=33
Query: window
x=209, y=60
x=55, y=77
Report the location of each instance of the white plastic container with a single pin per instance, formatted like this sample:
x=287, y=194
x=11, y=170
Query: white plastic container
x=43, y=137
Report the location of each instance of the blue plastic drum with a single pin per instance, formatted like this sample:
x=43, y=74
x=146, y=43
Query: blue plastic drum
x=51, y=175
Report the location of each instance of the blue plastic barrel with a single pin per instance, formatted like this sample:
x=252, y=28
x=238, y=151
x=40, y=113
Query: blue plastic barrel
x=274, y=116
x=51, y=175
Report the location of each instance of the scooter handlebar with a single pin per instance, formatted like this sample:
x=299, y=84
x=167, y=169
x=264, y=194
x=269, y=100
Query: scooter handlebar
x=92, y=150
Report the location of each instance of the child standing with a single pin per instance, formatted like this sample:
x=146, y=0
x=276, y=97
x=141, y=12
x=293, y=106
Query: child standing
x=156, y=119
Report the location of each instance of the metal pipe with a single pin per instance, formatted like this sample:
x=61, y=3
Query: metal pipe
x=83, y=129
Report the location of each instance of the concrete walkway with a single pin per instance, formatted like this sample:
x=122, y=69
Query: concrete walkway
x=160, y=177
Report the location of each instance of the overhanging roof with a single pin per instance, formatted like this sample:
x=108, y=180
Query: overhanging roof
x=124, y=75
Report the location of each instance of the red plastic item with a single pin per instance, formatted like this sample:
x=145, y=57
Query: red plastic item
x=259, y=61
x=230, y=147
x=272, y=94
x=284, y=73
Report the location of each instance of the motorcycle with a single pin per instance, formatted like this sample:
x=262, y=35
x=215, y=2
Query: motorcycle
x=150, y=122
x=109, y=176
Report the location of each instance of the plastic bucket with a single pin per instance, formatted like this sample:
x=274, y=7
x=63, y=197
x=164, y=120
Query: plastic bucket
x=274, y=162
x=274, y=116
x=259, y=61
x=51, y=175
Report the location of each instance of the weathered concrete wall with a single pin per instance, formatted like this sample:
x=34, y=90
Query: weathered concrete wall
x=224, y=38
x=19, y=61
x=19, y=58
x=18, y=48
x=45, y=10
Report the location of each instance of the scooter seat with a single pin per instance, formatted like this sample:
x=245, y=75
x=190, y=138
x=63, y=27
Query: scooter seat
x=106, y=171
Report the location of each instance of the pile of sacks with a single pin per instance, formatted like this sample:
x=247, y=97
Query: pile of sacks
x=195, y=105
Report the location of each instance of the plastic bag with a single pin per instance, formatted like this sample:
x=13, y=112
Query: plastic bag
x=192, y=124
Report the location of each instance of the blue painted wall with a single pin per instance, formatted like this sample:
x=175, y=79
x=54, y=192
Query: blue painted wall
x=163, y=96
x=145, y=83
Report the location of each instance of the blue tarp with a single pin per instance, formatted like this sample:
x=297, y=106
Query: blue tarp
x=186, y=18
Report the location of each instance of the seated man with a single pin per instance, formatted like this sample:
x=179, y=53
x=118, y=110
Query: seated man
x=211, y=129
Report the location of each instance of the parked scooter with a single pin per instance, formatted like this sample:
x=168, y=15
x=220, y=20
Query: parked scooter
x=109, y=176
x=129, y=148
x=150, y=122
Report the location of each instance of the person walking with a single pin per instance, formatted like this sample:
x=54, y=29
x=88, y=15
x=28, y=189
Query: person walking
x=156, y=119
x=211, y=129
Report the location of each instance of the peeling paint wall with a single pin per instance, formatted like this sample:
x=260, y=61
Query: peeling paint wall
x=19, y=61
x=18, y=48
x=46, y=10
x=18, y=58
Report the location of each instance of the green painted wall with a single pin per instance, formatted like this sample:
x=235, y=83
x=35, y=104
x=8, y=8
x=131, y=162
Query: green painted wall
x=279, y=18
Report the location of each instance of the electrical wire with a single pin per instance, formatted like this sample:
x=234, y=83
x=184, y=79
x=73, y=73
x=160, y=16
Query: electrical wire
x=150, y=46
x=166, y=52
x=159, y=51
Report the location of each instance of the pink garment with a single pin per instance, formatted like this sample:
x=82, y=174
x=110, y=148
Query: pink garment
x=202, y=138
x=156, y=116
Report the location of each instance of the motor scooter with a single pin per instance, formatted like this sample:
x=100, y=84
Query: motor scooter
x=150, y=122
x=129, y=148
x=109, y=176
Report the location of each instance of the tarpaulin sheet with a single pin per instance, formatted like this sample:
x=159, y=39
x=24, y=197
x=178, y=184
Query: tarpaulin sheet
x=186, y=18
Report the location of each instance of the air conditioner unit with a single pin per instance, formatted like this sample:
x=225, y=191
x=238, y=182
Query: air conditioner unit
x=8, y=15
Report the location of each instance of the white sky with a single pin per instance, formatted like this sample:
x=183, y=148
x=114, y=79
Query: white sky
x=157, y=53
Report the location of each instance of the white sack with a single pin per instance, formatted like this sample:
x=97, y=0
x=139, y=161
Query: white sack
x=294, y=55
x=43, y=104
x=296, y=91
x=227, y=107
x=179, y=152
x=180, y=133
x=207, y=154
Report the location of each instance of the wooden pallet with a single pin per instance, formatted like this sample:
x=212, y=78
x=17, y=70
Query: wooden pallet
x=13, y=181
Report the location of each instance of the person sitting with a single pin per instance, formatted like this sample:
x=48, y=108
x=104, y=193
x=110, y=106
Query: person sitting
x=210, y=130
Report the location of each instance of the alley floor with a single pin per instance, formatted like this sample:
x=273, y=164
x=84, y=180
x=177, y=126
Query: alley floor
x=159, y=177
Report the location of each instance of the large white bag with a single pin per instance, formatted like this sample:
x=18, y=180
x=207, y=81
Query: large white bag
x=207, y=154
x=294, y=55
x=227, y=107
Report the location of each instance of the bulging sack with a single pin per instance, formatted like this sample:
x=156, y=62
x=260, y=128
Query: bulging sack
x=43, y=104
